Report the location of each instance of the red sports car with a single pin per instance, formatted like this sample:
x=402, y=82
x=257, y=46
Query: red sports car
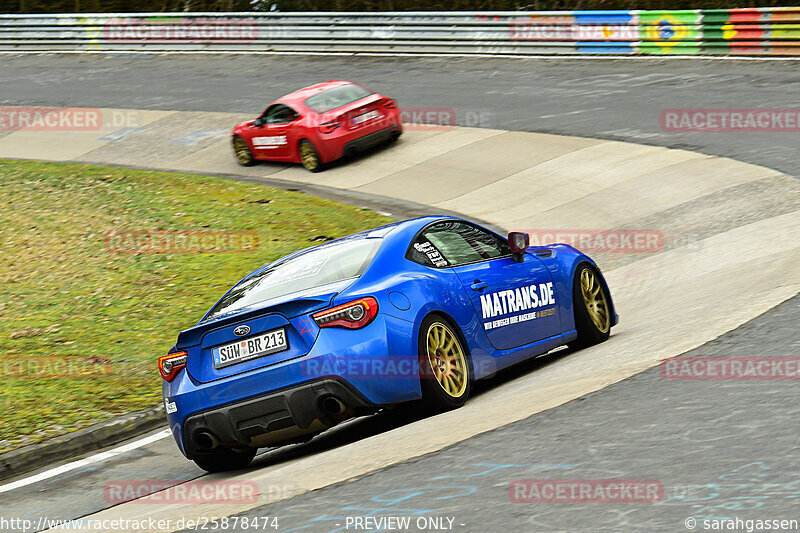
x=317, y=125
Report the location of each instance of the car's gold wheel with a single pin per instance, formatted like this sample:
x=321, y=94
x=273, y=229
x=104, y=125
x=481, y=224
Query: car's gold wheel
x=446, y=359
x=594, y=298
x=308, y=156
x=243, y=154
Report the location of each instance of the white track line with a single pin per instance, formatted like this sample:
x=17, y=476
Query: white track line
x=53, y=472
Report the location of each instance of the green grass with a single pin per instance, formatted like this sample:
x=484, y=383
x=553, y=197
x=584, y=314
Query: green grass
x=66, y=295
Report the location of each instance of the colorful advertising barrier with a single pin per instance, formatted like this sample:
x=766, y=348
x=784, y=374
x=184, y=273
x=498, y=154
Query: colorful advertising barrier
x=741, y=31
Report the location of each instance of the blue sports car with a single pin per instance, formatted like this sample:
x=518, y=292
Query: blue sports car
x=414, y=310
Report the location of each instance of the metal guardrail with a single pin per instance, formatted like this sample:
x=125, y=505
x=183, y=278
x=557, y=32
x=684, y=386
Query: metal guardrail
x=747, y=31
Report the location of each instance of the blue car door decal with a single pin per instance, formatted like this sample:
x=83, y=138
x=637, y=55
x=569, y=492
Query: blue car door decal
x=515, y=301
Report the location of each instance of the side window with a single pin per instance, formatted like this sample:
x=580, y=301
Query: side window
x=454, y=243
x=425, y=253
x=279, y=114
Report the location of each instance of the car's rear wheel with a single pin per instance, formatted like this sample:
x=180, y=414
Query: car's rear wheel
x=309, y=156
x=444, y=367
x=592, y=309
x=223, y=459
x=243, y=154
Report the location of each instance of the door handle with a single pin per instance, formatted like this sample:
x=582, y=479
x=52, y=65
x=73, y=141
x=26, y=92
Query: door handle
x=478, y=285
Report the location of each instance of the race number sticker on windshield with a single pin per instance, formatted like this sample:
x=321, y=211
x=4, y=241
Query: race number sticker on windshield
x=273, y=141
x=497, y=304
x=432, y=253
x=246, y=349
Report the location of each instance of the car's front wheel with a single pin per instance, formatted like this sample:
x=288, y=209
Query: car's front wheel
x=444, y=368
x=223, y=459
x=592, y=309
x=309, y=156
x=243, y=154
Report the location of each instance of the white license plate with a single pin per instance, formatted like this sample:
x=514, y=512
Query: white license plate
x=366, y=117
x=250, y=348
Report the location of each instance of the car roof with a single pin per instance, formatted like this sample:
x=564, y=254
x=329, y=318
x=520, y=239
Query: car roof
x=402, y=229
x=300, y=95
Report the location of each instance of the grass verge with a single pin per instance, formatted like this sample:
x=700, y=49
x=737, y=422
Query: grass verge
x=85, y=311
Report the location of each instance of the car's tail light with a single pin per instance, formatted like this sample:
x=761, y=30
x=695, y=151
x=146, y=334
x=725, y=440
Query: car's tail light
x=169, y=365
x=389, y=104
x=328, y=127
x=352, y=315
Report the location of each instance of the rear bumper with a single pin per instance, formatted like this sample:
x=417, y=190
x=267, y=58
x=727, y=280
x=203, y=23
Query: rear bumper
x=266, y=398
x=343, y=140
x=274, y=417
x=371, y=139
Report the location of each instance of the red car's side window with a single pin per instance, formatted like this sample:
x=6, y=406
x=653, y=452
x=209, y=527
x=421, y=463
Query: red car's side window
x=279, y=114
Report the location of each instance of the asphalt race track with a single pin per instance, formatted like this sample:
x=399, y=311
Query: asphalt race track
x=611, y=99
x=719, y=449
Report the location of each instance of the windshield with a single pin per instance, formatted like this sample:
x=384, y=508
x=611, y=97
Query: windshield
x=319, y=266
x=336, y=97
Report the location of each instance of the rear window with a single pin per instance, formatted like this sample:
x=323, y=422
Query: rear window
x=336, y=97
x=319, y=266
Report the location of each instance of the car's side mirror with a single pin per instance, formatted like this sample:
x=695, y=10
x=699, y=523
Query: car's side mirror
x=518, y=242
x=260, y=121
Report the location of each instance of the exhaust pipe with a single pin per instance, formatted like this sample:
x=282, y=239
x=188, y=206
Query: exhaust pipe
x=331, y=405
x=206, y=440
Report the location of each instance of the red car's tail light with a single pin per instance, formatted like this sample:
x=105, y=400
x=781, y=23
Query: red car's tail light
x=169, y=365
x=352, y=315
x=389, y=104
x=328, y=127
